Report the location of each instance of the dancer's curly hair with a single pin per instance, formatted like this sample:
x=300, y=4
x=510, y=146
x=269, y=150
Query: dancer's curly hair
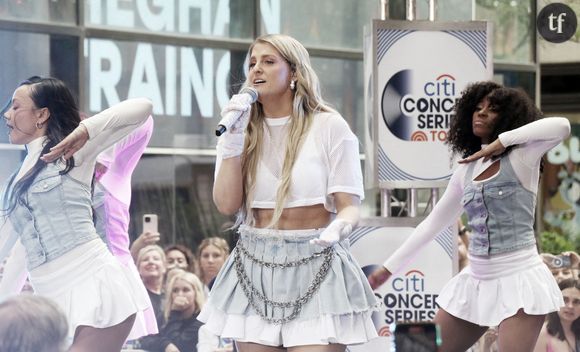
x=513, y=107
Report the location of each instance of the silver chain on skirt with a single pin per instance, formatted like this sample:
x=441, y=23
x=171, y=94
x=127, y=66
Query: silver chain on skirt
x=255, y=297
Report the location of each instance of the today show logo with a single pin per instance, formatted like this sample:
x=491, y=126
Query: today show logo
x=557, y=22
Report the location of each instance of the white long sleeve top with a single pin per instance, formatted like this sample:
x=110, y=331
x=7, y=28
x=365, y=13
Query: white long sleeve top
x=530, y=143
x=104, y=130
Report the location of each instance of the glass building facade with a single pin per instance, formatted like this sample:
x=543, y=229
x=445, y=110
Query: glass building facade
x=188, y=57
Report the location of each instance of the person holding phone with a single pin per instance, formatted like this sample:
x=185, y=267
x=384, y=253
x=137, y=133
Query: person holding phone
x=47, y=212
x=563, y=266
x=499, y=133
x=149, y=236
x=291, y=170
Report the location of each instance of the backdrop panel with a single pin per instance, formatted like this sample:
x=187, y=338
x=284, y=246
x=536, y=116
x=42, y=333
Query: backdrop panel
x=415, y=71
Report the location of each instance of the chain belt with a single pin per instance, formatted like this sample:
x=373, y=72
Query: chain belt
x=254, y=295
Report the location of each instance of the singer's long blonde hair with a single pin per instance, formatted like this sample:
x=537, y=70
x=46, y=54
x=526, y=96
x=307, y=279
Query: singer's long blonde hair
x=307, y=101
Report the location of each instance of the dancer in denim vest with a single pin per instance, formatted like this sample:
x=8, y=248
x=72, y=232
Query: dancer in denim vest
x=48, y=211
x=498, y=132
x=287, y=167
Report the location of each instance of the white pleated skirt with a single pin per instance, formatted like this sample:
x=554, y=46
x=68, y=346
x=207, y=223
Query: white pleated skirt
x=491, y=289
x=338, y=312
x=93, y=289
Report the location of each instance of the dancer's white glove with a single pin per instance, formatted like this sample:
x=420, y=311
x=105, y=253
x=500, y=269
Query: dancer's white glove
x=231, y=143
x=336, y=231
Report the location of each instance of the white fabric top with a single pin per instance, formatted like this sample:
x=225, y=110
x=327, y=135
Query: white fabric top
x=104, y=130
x=327, y=163
x=530, y=143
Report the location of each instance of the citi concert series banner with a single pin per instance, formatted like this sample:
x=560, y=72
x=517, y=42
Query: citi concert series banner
x=415, y=71
x=410, y=294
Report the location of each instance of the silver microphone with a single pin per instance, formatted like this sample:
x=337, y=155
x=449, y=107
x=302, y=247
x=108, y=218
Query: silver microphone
x=250, y=95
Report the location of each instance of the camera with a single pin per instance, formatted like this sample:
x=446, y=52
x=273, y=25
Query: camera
x=561, y=261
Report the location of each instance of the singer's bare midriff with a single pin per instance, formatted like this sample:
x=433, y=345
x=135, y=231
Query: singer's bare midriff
x=298, y=218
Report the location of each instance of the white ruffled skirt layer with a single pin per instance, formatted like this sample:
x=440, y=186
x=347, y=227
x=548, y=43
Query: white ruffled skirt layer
x=338, y=312
x=93, y=289
x=494, y=288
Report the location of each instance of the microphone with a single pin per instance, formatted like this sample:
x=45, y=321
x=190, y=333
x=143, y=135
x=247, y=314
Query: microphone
x=249, y=96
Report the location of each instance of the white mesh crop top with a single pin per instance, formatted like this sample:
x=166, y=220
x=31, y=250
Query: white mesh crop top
x=327, y=163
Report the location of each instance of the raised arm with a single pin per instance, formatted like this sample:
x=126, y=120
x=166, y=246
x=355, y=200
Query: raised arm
x=101, y=131
x=538, y=136
x=533, y=141
x=228, y=181
x=530, y=143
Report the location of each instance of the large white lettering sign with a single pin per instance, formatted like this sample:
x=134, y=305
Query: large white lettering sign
x=177, y=15
x=168, y=75
x=188, y=86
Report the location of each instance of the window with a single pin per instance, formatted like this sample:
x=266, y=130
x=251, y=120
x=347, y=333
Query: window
x=214, y=18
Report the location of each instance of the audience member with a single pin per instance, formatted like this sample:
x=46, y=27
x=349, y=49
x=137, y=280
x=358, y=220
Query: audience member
x=180, y=256
x=561, y=332
x=32, y=323
x=180, y=334
x=212, y=254
x=152, y=268
x=145, y=239
x=563, y=266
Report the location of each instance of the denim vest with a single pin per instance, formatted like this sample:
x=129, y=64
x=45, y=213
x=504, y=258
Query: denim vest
x=55, y=217
x=500, y=212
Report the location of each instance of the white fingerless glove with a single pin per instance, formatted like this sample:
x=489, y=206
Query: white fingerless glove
x=336, y=231
x=231, y=143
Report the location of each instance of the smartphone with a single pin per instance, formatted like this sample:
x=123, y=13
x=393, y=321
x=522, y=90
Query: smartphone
x=417, y=337
x=561, y=261
x=150, y=223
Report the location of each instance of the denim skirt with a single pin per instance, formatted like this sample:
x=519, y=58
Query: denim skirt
x=278, y=289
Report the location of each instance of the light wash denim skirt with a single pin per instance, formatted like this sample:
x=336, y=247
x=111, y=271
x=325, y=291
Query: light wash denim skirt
x=327, y=296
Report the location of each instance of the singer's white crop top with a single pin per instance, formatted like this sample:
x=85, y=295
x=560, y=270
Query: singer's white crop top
x=328, y=162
